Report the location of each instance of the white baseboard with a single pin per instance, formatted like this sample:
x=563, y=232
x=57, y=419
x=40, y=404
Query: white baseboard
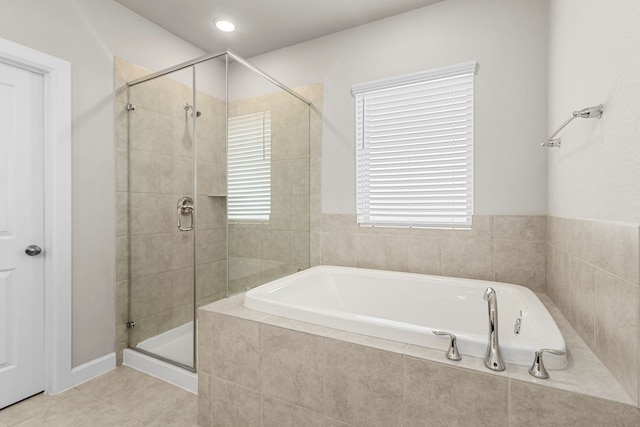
x=162, y=370
x=92, y=369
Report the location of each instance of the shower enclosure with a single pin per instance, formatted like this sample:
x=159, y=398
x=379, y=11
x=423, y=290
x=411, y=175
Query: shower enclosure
x=218, y=194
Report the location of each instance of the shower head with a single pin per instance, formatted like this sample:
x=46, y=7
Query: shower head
x=188, y=107
x=590, y=112
x=585, y=113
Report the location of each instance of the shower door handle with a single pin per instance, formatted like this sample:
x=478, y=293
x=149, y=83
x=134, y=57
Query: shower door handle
x=185, y=208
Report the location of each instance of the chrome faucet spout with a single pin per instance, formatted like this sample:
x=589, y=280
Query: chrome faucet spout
x=492, y=359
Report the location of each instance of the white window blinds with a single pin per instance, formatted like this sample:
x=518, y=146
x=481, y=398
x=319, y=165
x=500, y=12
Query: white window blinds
x=414, y=155
x=249, y=167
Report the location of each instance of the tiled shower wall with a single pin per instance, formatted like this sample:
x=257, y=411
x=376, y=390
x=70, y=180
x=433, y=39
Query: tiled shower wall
x=211, y=234
x=593, y=278
x=159, y=283
x=502, y=248
x=261, y=252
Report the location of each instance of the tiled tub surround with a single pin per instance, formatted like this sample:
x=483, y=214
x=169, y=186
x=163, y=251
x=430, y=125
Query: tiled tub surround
x=589, y=269
x=500, y=248
x=593, y=278
x=257, y=369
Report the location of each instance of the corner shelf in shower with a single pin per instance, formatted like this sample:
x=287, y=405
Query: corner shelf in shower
x=216, y=195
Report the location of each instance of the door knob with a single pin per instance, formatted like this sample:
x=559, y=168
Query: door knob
x=33, y=250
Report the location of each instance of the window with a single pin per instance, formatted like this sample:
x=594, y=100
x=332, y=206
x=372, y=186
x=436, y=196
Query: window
x=249, y=167
x=414, y=155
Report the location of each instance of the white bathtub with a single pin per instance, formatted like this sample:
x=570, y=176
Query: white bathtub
x=407, y=307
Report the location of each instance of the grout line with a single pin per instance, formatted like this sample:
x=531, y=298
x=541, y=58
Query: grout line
x=509, y=402
x=403, y=413
x=440, y=268
x=324, y=377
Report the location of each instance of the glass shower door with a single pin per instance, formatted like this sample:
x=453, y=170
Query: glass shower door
x=162, y=218
x=218, y=195
x=211, y=191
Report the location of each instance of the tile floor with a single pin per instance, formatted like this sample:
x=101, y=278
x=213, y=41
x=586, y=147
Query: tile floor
x=122, y=397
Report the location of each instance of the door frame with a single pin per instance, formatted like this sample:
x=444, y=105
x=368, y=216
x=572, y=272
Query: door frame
x=57, y=208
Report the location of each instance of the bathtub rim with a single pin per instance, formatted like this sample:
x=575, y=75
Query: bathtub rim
x=257, y=299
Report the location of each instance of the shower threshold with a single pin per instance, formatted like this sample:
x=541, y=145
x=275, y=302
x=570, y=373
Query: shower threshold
x=166, y=356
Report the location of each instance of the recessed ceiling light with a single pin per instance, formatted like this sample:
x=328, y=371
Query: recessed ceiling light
x=224, y=25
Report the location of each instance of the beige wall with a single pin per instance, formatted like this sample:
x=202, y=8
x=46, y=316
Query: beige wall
x=508, y=39
x=595, y=174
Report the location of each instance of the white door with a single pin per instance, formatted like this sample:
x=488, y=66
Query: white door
x=21, y=225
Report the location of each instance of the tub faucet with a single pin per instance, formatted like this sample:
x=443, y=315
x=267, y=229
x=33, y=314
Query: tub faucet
x=492, y=359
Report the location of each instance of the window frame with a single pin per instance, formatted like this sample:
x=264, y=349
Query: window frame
x=385, y=183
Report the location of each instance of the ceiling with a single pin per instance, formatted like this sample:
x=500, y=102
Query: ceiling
x=264, y=25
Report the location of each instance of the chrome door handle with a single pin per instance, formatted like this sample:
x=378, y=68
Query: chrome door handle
x=33, y=250
x=185, y=208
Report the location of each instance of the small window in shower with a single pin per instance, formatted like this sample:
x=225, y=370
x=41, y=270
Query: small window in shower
x=249, y=167
x=414, y=149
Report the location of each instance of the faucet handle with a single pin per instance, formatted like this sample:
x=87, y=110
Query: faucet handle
x=537, y=368
x=452, y=351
